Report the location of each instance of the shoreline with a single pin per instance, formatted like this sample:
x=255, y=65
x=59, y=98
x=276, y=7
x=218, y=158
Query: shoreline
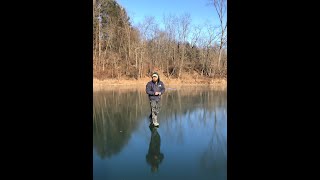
x=108, y=84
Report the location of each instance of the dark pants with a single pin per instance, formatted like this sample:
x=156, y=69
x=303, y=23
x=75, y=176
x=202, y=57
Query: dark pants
x=155, y=109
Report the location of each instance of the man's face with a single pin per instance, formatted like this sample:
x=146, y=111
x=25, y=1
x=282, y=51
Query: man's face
x=154, y=78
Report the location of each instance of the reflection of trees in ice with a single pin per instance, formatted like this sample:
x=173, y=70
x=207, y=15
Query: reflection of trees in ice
x=215, y=156
x=115, y=117
x=196, y=111
x=116, y=111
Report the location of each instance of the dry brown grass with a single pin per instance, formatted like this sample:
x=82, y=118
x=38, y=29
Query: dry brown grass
x=170, y=83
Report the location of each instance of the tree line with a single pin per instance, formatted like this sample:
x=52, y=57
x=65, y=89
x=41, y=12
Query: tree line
x=121, y=50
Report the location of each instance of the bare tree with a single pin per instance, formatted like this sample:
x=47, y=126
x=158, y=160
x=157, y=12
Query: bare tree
x=142, y=50
x=221, y=9
x=211, y=38
x=171, y=23
x=196, y=35
x=183, y=31
x=126, y=41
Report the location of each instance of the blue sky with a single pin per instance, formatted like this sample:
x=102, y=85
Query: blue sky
x=199, y=11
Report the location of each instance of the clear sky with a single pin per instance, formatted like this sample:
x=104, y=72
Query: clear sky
x=199, y=11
